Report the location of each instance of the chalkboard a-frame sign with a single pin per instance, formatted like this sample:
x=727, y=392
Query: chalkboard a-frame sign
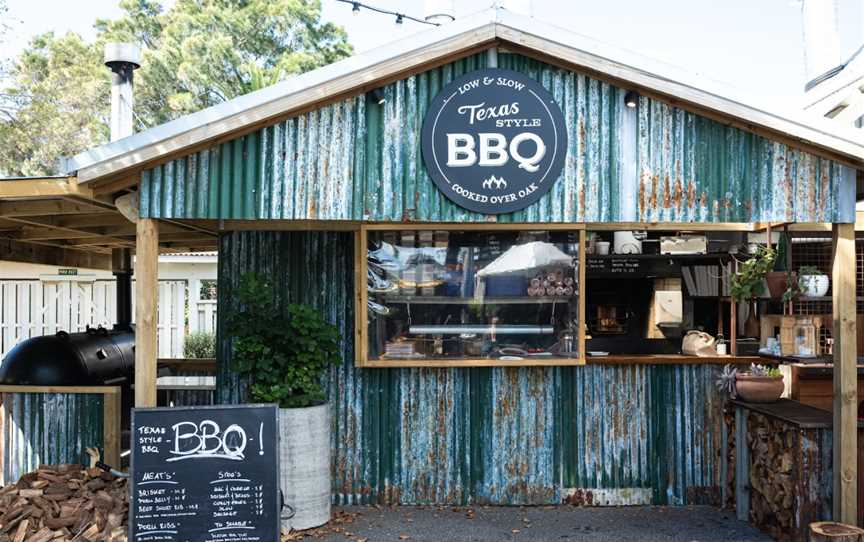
x=205, y=474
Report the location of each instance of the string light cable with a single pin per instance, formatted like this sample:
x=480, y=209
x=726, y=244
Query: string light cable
x=357, y=6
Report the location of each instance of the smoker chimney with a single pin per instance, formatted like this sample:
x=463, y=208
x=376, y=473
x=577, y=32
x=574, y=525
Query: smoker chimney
x=821, y=37
x=123, y=59
x=439, y=11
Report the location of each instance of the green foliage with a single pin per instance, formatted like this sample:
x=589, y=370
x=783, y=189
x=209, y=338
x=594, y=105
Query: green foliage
x=284, y=350
x=809, y=270
x=55, y=100
x=203, y=52
x=200, y=344
x=782, y=252
x=764, y=370
x=56, y=103
x=793, y=288
x=747, y=283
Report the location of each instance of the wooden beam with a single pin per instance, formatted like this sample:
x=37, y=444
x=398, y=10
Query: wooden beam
x=845, y=427
x=29, y=221
x=111, y=428
x=118, y=185
x=50, y=187
x=146, y=293
x=50, y=207
x=16, y=251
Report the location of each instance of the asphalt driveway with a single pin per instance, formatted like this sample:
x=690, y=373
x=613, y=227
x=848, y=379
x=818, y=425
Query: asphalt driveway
x=542, y=523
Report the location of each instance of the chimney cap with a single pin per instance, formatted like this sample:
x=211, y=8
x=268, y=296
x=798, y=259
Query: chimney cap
x=117, y=54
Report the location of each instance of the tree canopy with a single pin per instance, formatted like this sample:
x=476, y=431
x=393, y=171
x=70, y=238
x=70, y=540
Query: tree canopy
x=196, y=54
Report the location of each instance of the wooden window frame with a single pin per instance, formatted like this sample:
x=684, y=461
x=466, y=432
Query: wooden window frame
x=361, y=323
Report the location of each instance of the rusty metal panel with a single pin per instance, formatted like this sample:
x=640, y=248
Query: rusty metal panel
x=47, y=428
x=359, y=160
x=694, y=169
x=530, y=435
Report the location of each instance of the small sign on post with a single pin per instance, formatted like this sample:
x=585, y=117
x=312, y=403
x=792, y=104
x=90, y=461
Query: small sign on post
x=205, y=474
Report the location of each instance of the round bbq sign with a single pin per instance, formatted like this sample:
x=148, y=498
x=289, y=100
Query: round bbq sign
x=494, y=141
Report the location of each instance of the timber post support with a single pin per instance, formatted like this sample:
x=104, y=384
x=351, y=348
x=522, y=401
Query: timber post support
x=845, y=426
x=146, y=297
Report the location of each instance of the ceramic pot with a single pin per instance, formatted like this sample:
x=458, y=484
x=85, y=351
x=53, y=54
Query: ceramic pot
x=776, y=281
x=752, y=328
x=814, y=285
x=305, y=465
x=758, y=389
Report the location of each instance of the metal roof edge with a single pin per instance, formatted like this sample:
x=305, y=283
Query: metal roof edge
x=675, y=81
x=485, y=26
x=295, y=92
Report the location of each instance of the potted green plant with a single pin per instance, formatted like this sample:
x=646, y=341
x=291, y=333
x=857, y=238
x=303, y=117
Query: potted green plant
x=748, y=284
x=284, y=352
x=760, y=384
x=812, y=282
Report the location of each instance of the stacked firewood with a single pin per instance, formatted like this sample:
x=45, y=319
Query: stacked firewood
x=772, y=479
x=729, y=465
x=64, y=503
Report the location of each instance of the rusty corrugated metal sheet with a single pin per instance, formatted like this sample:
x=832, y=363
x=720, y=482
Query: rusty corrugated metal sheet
x=693, y=169
x=358, y=160
x=531, y=435
x=50, y=428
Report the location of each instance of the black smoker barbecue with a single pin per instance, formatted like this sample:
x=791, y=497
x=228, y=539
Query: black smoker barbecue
x=95, y=357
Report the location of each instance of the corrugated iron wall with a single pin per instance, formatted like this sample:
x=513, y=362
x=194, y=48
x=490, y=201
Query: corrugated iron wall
x=597, y=434
x=695, y=169
x=47, y=428
x=358, y=160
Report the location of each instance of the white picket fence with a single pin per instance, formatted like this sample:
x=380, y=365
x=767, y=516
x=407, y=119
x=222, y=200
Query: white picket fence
x=30, y=308
x=206, y=316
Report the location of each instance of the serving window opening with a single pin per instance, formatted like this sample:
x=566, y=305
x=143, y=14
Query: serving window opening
x=473, y=296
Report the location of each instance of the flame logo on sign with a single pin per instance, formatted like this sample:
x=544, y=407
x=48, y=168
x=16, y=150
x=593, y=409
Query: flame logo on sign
x=496, y=182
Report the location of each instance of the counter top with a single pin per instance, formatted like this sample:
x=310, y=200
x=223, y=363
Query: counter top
x=670, y=359
x=795, y=359
x=793, y=412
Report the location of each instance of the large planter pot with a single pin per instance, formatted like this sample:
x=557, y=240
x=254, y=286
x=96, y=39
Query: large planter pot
x=758, y=389
x=305, y=465
x=814, y=285
x=776, y=281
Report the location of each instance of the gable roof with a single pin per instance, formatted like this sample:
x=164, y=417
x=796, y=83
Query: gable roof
x=841, y=87
x=368, y=70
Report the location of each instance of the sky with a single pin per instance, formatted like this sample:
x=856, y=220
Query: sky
x=754, y=45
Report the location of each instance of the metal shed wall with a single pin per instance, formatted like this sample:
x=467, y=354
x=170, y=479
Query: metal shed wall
x=40, y=428
x=357, y=160
x=594, y=434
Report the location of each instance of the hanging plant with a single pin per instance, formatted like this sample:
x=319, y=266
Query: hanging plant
x=748, y=282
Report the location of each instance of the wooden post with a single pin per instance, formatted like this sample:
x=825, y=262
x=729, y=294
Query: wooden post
x=111, y=426
x=733, y=316
x=146, y=297
x=845, y=426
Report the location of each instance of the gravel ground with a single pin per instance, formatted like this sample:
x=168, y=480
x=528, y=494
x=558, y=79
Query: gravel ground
x=546, y=523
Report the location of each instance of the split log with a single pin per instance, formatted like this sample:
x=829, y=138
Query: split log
x=829, y=531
